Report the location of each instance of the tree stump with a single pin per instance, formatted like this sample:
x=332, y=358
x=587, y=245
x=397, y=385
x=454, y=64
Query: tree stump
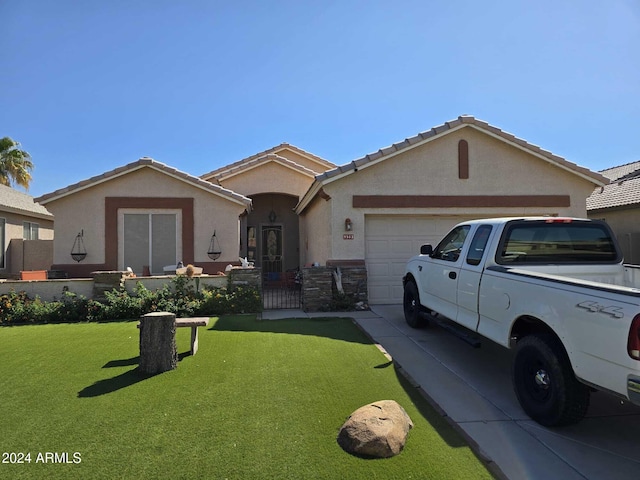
x=158, y=351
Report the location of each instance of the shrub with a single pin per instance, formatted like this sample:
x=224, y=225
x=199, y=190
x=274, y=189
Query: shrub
x=19, y=308
x=222, y=301
x=183, y=298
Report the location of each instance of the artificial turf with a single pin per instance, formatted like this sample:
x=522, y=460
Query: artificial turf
x=260, y=400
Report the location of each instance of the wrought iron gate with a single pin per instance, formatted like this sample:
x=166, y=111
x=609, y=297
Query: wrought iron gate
x=282, y=290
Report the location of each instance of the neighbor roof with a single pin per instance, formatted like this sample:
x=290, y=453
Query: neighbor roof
x=624, y=189
x=463, y=121
x=615, y=173
x=146, y=162
x=13, y=201
x=251, y=161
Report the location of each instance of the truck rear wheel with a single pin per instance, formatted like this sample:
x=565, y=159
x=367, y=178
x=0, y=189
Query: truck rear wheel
x=412, y=307
x=545, y=384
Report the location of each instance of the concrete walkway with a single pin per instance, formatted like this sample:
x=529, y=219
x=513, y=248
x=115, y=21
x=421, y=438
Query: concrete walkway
x=472, y=386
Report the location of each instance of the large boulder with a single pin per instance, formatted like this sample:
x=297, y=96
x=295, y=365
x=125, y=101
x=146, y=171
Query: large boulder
x=376, y=430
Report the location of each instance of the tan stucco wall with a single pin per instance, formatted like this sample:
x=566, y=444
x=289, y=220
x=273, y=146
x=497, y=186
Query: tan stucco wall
x=85, y=210
x=620, y=220
x=14, y=226
x=316, y=233
x=626, y=225
x=269, y=177
x=82, y=211
x=495, y=168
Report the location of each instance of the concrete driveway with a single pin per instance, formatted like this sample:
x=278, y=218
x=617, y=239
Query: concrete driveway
x=473, y=387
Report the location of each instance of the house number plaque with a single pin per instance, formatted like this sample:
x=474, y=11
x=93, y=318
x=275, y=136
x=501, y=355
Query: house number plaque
x=347, y=236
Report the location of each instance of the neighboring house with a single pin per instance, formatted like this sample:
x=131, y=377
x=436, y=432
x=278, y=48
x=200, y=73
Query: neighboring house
x=145, y=215
x=285, y=208
x=618, y=203
x=26, y=234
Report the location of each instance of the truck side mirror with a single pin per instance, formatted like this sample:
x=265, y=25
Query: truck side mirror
x=426, y=249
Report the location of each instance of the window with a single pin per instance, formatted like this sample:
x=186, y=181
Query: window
x=149, y=240
x=2, y=249
x=557, y=242
x=29, y=231
x=478, y=244
x=449, y=248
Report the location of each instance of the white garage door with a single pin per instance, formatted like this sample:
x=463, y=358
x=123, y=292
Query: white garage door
x=390, y=241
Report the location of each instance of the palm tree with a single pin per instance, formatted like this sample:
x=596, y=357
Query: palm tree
x=15, y=164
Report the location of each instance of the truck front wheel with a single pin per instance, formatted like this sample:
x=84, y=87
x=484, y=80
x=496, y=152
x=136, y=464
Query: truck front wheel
x=411, y=306
x=545, y=384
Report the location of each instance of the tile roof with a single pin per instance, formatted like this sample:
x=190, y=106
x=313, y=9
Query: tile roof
x=11, y=200
x=447, y=127
x=624, y=189
x=245, y=165
x=614, y=173
x=145, y=162
x=222, y=171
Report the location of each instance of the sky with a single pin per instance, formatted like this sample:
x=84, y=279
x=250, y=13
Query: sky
x=91, y=85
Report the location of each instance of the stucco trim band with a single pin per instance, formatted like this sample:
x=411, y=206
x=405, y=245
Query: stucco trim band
x=453, y=201
x=111, y=206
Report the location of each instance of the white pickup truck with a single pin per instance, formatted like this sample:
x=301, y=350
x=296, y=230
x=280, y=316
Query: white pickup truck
x=555, y=289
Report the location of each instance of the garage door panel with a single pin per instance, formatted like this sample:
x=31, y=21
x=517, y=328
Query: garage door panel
x=379, y=291
x=397, y=291
x=378, y=269
x=390, y=240
x=401, y=247
x=397, y=268
x=378, y=247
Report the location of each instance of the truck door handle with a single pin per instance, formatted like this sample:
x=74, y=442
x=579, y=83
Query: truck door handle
x=452, y=275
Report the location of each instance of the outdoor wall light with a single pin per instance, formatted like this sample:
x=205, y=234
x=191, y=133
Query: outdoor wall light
x=272, y=216
x=348, y=225
x=78, y=252
x=214, y=251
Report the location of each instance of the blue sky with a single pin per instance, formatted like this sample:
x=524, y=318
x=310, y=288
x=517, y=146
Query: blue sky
x=88, y=86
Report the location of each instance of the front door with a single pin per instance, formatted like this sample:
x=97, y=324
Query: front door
x=272, y=255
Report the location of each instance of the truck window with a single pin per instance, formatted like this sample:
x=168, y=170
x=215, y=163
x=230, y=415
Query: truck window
x=478, y=244
x=450, y=246
x=557, y=242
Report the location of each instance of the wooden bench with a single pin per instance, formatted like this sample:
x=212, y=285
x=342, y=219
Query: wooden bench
x=194, y=323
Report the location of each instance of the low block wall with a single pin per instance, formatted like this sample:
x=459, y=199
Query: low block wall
x=50, y=290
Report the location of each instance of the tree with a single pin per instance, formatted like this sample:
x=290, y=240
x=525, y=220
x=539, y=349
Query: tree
x=15, y=164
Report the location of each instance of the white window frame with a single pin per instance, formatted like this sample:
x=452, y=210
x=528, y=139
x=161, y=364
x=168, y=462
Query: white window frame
x=147, y=211
x=28, y=230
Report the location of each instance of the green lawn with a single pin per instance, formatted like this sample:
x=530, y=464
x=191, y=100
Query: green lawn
x=260, y=400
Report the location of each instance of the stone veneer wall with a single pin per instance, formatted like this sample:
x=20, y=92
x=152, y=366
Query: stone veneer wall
x=107, y=281
x=319, y=287
x=245, y=277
